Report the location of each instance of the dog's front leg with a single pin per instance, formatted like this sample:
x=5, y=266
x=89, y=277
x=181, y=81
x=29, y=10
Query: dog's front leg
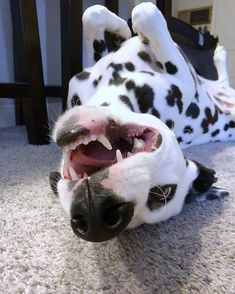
x=149, y=24
x=104, y=31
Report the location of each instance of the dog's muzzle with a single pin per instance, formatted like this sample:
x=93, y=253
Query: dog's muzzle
x=97, y=215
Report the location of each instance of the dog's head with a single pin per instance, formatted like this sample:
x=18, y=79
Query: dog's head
x=116, y=169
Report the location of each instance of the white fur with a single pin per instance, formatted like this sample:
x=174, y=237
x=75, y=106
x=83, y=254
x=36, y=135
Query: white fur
x=133, y=177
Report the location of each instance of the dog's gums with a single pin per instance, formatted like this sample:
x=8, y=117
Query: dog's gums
x=90, y=153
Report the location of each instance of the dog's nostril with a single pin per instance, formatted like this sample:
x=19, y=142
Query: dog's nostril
x=80, y=224
x=112, y=215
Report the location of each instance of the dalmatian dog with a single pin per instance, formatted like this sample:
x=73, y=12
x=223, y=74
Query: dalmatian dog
x=131, y=112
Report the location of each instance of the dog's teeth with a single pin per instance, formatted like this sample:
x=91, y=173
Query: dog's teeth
x=93, y=138
x=103, y=140
x=73, y=146
x=138, y=143
x=73, y=174
x=66, y=156
x=119, y=155
x=86, y=140
x=129, y=154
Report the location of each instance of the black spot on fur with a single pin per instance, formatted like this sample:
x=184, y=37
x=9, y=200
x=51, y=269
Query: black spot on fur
x=145, y=41
x=160, y=196
x=129, y=66
x=215, y=133
x=188, y=130
x=155, y=112
x=170, y=123
x=145, y=97
x=126, y=101
x=96, y=82
x=144, y=56
x=175, y=97
x=99, y=46
x=196, y=96
x=117, y=66
x=113, y=41
x=75, y=100
x=231, y=125
x=209, y=119
x=117, y=79
x=83, y=75
x=171, y=68
x=179, y=139
x=147, y=72
x=105, y=104
x=130, y=85
x=159, y=64
x=193, y=111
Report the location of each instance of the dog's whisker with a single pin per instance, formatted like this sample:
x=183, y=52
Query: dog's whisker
x=163, y=193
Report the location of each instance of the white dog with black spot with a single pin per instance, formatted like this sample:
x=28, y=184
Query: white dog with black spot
x=122, y=166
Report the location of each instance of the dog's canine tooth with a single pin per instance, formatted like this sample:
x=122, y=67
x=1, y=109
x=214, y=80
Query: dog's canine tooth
x=119, y=155
x=85, y=176
x=138, y=143
x=66, y=156
x=73, y=174
x=103, y=140
x=72, y=146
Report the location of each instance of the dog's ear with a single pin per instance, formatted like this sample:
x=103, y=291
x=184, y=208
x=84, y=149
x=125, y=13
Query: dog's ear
x=53, y=179
x=202, y=188
x=205, y=179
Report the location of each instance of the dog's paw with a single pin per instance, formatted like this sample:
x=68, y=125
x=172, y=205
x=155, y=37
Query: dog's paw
x=215, y=193
x=212, y=194
x=220, y=54
x=145, y=14
x=53, y=179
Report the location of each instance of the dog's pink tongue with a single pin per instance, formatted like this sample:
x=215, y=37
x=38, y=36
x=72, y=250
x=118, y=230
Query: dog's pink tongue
x=91, y=156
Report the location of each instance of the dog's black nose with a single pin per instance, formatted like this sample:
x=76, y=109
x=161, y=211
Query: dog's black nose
x=97, y=215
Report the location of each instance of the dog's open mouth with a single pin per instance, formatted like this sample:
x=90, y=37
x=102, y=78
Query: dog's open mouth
x=94, y=151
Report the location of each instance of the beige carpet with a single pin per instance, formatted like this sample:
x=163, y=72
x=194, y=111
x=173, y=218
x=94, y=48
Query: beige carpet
x=192, y=253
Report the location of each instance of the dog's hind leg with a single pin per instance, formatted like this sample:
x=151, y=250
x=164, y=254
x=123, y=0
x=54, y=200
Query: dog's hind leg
x=104, y=32
x=149, y=23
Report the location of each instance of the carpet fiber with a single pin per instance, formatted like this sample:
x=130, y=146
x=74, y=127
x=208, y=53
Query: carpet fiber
x=191, y=253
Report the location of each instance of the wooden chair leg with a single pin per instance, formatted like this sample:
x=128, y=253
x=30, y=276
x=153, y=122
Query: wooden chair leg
x=71, y=42
x=34, y=106
x=18, y=56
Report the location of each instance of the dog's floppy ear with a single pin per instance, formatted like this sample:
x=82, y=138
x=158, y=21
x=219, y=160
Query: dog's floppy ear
x=205, y=179
x=53, y=179
x=202, y=188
